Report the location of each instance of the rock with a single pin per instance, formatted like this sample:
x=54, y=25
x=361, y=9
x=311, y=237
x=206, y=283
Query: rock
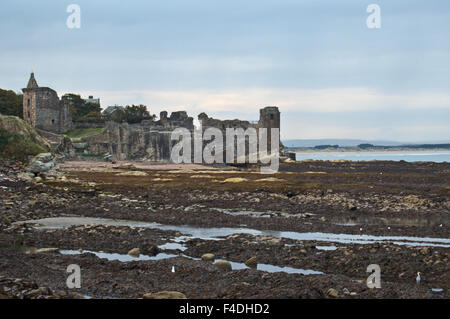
x=26, y=177
x=46, y=250
x=37, y=179
x=208, y=257
x=223, y=265
x=135, y=252
x=153, y=250
x=44, y=157
x=133, y=173
x=75, y=295
x=41, y=163
x=235, y=180
x=165, y=295
x=332, y=293
x=274, y=241
x=252, y=263
x=425, y=250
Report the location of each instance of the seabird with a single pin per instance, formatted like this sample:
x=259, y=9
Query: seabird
x=173, y=268
x=418, y=278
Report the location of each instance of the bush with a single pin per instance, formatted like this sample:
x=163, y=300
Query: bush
x=11, y=103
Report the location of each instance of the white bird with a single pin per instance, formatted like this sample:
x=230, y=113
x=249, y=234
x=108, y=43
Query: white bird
x=418, y=278
x=173, y=268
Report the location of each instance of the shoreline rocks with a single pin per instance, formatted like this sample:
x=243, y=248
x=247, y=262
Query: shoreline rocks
x=208, y=257
x=165, y=295
x=135, y=252
x=223, y=265
x=252, y=262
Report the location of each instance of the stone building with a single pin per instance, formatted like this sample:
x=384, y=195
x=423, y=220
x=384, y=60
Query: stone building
x=43, y=109
x=269, y=118
x=151, y=139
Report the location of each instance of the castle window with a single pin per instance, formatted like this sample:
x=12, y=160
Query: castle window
x=271, y=116
x=29, y=115
x=28, y=102
x=53, y=121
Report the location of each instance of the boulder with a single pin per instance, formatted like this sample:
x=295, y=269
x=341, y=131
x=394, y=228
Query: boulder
x=44, y=157
x=208, y=257
x=41, y=163
x=135, y=252
x=223, y=265
x=332, y=293
x=153, y=250
x=165, y=295
x=252, y=263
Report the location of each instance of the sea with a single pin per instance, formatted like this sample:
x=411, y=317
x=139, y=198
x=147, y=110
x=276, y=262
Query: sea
x=407, y=156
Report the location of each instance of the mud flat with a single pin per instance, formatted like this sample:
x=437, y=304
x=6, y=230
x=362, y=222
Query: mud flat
x=312, y=227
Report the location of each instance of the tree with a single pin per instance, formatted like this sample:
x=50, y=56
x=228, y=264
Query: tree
x=82, y=111
x=11, y=103
x=137, y=113
x=130, y=114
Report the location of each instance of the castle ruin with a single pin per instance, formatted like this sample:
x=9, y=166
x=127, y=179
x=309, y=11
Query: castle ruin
x=150, y=139
x=43, y=109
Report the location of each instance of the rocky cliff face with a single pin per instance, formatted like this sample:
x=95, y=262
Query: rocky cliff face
x=137, y=141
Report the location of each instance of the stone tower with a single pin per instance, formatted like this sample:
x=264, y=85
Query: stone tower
x=44, y=110
x=269, y=117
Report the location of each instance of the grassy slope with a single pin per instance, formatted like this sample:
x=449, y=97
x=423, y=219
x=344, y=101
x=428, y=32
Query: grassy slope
x=18, y=140
x=82, y=133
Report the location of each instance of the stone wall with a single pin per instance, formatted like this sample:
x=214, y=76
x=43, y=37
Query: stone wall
x=269, y=117
x=151, y=140
x=44, y=110
x=148, y=140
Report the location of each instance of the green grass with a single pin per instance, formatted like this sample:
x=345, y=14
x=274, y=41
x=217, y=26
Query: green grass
x=16, y=147
x=84, y=132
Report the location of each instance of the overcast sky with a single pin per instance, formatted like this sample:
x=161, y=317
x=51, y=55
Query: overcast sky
x=330, y=75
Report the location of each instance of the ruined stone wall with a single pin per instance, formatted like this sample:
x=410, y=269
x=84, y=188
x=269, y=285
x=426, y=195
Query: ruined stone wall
x=43, y=109
x=29, y=107
x=151, y=140
x=269, y=118
x=134, y=141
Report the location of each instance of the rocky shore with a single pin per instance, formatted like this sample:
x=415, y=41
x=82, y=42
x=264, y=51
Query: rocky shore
x=309, y=231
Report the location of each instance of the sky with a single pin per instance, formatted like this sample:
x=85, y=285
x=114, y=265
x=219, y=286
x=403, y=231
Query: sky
x=330, y=75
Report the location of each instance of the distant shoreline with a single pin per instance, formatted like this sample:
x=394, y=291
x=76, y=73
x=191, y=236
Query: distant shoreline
x=369, y=150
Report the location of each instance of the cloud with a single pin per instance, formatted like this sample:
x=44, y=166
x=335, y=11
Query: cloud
x=288, y=100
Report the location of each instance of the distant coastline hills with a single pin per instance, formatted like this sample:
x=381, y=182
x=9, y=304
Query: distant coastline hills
x=355, y=144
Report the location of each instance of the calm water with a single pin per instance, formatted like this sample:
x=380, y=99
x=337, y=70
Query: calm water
x=216, y=233
x=412, y=156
